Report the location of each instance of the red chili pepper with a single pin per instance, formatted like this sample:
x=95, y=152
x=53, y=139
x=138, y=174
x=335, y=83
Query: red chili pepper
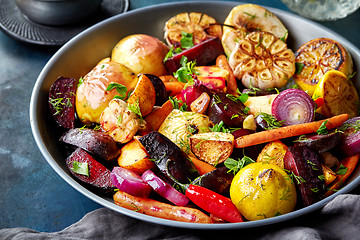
x=319, y=102
x=214, y=203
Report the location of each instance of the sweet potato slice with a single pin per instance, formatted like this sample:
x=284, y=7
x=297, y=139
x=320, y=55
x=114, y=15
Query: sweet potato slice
x=144, y=94
x=134, y=157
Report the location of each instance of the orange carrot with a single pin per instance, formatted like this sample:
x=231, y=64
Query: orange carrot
x=222, y=62
x=348, y=162
x=201, y=166
x=156, y=117
x=174, y=87
x=288, y=131
x=167, y=78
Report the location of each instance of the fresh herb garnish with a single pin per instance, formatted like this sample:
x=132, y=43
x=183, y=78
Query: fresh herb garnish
x=121, y=89
x=235, y=165
x=219, y=127
x=299, y=67
x=272, y=123
x=185, y=72
x=80, y=168
x=176, y=104
x=135, y=108
x=322, y=129
x=81, y=80
x=187, y=40
x=342, y=170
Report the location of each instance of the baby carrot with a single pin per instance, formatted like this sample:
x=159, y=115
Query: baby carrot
x=288, y=131
x=222, y=62
x=174, y=87
x=349, y=163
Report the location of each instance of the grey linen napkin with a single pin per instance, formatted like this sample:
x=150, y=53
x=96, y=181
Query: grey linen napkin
x=339, y=219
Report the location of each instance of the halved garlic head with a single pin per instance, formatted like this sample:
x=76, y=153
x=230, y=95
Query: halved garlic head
x=262, y=60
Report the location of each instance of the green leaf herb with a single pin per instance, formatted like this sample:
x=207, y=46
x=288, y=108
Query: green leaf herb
x=135, y=108
x=187, y=40
x=80, y=168
x=342, y=170
x=219, y=127
x=176, y=104
x=322, y=129
x=235, y=165
x=121, y=89
x=185, y=72
x=299, y=67
x=271, y=121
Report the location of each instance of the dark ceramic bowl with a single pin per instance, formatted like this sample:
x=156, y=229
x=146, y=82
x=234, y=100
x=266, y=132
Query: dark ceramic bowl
x=79, y=56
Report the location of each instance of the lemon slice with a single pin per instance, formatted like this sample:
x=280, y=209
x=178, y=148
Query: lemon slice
x=339, y=94
x=318, y=56
x=200, y=25
x=247, y=18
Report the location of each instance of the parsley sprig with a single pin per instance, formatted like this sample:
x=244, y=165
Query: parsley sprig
x=235, y=165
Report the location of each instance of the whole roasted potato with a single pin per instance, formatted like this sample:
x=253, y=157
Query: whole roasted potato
x=92, y=97
x=142, y=53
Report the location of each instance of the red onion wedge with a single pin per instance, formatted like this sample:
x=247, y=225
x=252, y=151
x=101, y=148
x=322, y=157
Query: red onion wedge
x=293, y=106
x=164, y=189
x=350, y=140
x=129, y=182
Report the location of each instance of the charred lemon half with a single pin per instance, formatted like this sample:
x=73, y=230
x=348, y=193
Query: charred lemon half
x=315, y=58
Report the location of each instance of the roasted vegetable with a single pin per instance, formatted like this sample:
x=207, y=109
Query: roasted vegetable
x=169, y=158
x=119, y=121
x=350, y=141
x=62, y=101
x=203, y=53
x=85, y=168
x=274, y=153
x=161, y=210
x=305, y=166
x=293, y=106
x=212, y=147
x=92, y=96
x=200, y=25
x=246, y=18
x=260, y=104
x=224, y=108
x=141, y=53
x=179, y=126
x=95, y=142
x=218, y=180
x=262, y=60
x=320, y=142
x=160, y=90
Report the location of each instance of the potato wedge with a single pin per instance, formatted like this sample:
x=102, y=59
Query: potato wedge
x=144, y=94
x=329, y=175
x=134, y=157
x=212, y=147
x=274, y=153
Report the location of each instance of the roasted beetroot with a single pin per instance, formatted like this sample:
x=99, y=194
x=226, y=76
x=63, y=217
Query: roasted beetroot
x=161, y=94
x=62, y=101
x=203, y=53
x=305, y=169
x=350, y=140
x=95, y=142
x=169, y=158
x=320, y=143
x=293, y=106
x=85, y=168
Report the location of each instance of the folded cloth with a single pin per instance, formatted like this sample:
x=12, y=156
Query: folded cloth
x=339, y=219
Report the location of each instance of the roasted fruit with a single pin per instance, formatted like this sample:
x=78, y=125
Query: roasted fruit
x=315, y=58
x=338, y=93
x=119, y=121
x=62, y=101
x=212, y=147
x=92, y=96
x=200, y=25
x=169, y=158
x=85, y=168
x=262, y=190
x=95, y=142
x=179, y=126
x=247, y=18
x=262, y=60
x=141, y=53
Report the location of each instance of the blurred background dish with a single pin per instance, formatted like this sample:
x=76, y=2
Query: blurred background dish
x=14, y=23
x=323, y=10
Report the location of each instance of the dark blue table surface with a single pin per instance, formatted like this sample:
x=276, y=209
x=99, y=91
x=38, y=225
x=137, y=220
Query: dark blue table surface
x=32, y=194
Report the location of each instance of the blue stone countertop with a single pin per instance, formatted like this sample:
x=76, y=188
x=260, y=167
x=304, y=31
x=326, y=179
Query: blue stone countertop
x=32, y=194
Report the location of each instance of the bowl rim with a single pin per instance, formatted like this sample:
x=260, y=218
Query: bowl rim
x=96, y=198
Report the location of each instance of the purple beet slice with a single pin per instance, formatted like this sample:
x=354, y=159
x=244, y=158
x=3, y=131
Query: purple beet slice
x=62, y=101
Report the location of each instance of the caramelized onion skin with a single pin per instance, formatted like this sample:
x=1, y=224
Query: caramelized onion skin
x=293, y=106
